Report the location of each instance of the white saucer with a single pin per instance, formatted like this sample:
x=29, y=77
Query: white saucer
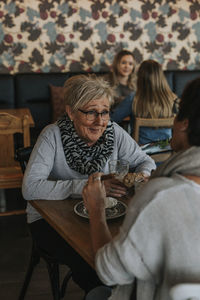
x=111, y=213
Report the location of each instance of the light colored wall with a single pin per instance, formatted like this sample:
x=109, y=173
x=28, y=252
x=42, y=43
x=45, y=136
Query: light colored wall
x=37, y=36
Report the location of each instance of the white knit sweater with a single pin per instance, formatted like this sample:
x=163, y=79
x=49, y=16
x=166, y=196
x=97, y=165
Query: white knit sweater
x=159, y=242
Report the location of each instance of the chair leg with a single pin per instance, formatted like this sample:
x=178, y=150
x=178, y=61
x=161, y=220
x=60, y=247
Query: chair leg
x=65, y=282
x=53, y=270
x=35, y=259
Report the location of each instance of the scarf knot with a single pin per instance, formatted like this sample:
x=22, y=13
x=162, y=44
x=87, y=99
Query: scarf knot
x=79, y=156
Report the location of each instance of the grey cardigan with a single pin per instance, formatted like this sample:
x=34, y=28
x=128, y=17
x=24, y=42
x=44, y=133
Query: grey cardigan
x=49, y=177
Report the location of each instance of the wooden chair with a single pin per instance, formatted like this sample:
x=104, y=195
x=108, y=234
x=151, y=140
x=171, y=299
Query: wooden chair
x=37, y=253
x=185, y=291
x=10, y=170
x=155, y=123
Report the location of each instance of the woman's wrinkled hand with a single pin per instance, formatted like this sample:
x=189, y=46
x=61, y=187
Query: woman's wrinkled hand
x=114, y=188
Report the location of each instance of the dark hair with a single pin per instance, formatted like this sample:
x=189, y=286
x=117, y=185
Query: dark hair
x=190, y=109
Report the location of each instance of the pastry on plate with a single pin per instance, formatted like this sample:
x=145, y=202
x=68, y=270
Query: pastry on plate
x=130, y=179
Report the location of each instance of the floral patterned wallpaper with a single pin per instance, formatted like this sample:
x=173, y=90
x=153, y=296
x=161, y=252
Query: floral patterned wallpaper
x=84, y=35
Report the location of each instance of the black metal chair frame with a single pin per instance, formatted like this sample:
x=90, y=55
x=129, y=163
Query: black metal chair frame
x=58, y=290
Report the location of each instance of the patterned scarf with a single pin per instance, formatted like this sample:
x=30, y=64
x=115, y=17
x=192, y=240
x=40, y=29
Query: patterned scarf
x=79, y=156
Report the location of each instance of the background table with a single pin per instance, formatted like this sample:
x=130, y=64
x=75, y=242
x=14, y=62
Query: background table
x=19, y=120
x=20, y=112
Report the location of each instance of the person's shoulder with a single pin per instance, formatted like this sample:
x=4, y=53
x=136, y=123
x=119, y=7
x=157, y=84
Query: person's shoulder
x=50, y=128
x=155, y=186
x=119, y=131
x=155, y=192
x=116, y=126
x=145, y=197
x=160, y=183
x=50, y=131
x=168, y=194
x=163, y=188
x=123, y=138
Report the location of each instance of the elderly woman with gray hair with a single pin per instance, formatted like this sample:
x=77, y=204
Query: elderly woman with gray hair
x=80, y=143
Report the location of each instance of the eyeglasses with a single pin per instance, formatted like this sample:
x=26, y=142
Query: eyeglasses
x=91, y=115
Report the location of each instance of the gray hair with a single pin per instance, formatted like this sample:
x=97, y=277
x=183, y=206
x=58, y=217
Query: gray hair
x=81, y=89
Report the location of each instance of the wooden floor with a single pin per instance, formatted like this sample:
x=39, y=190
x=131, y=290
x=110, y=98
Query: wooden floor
x=15, y=248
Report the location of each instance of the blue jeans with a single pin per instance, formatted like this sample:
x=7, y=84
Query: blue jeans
x=123, y=110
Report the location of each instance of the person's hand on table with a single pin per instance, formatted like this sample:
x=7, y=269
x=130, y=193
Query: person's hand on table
x=114, y=188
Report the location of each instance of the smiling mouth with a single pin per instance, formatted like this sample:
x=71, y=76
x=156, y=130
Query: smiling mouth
x=95, y=129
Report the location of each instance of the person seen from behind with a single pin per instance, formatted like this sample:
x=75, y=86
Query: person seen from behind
x=158, y=244
x=153, y=99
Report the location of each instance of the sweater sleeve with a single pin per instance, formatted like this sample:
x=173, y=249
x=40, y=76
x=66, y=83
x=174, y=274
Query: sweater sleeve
x=137, y=250
x=39, y=181
x=119, y=261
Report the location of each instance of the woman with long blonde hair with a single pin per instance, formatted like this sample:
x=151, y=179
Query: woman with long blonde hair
x=153, y=99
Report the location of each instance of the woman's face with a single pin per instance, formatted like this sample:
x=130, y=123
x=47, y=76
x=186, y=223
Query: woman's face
x=91, y=130
x=126, y=65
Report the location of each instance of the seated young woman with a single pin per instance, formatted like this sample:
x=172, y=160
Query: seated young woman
x=158, y=244
x=81, y=142
x=153, y=99
x=122, y=79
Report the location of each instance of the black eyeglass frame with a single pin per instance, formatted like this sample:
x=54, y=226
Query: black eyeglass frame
x=105, y=115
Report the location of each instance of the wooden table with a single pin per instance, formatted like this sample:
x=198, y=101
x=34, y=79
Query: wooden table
x=20, y=112
x=73, y=228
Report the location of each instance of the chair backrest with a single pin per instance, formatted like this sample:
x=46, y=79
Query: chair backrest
x=22, y=155
x=185, y=291
x=10, y=125
x=156, y=123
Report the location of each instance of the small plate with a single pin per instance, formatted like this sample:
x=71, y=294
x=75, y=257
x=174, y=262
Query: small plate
x=111, y=213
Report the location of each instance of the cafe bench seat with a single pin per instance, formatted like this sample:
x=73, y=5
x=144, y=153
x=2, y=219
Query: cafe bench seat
x=34, y=91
